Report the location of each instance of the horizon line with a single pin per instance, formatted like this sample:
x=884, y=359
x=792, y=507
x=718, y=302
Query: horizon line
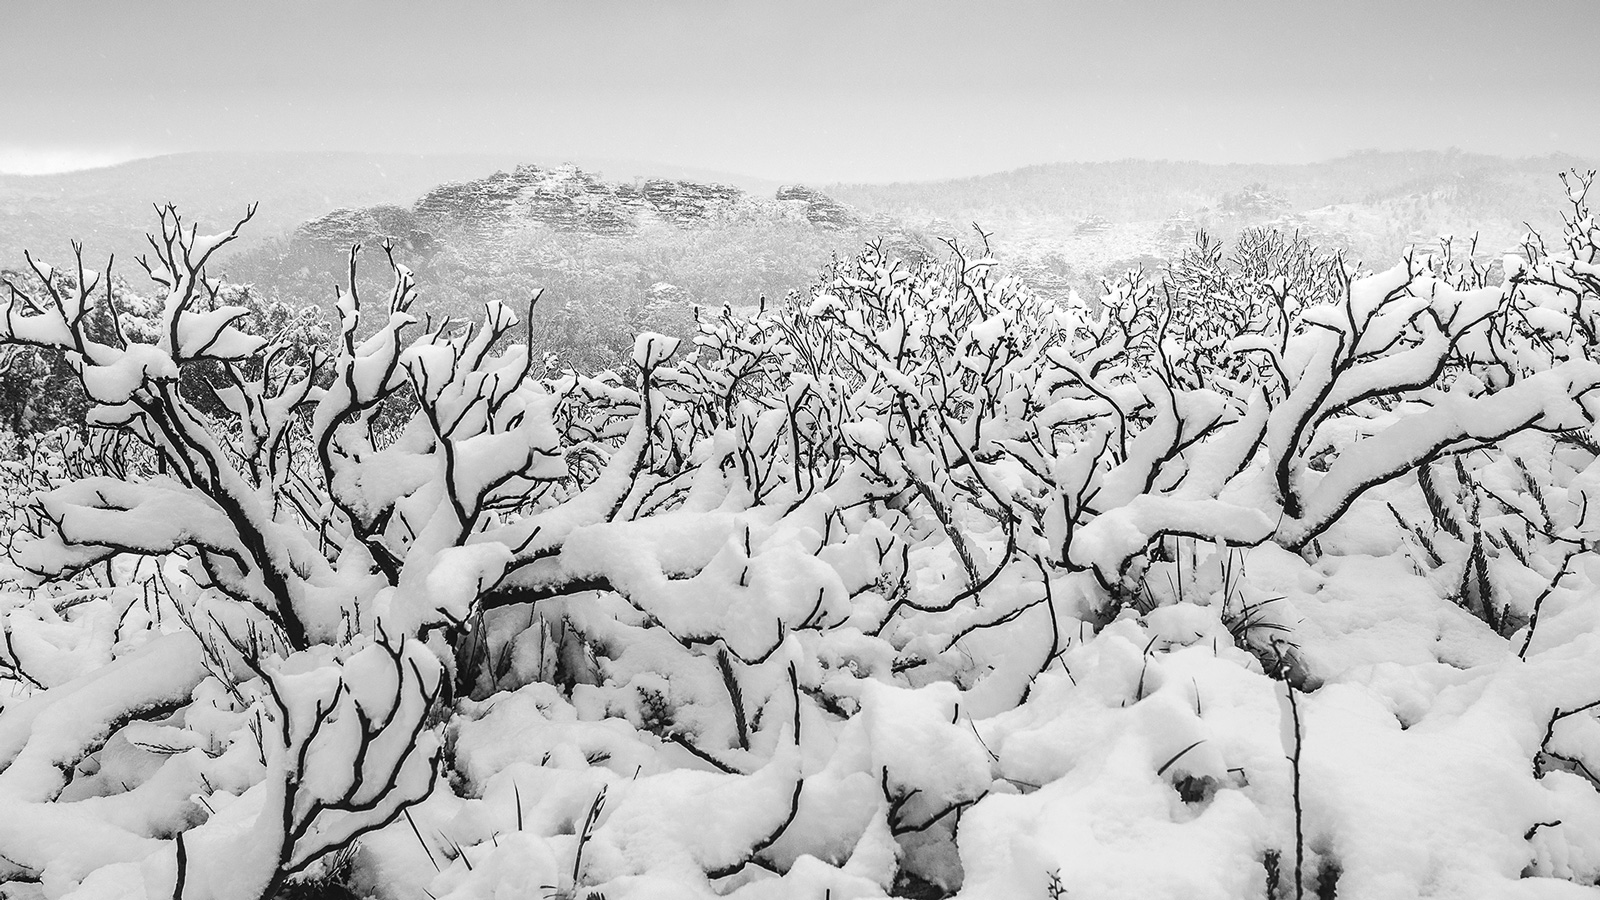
x=584, y=162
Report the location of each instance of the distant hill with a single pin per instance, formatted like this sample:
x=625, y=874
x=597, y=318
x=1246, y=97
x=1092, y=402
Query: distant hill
x=1087, y=217
x=638, y=247
x=1131, y=190
x=487, y=211
x=636, y=244
x=611, y=256
x=110, y=208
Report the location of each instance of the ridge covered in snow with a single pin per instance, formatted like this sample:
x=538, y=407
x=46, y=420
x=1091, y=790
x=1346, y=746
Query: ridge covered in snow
x=1262, y=577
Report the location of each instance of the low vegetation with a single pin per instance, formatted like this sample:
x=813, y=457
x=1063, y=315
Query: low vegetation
x=1257, y=576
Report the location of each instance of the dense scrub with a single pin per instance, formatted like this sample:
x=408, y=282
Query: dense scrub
x=1263, y=578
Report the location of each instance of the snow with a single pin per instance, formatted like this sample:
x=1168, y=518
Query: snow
x=211, y=334
x=126, y=371
x=651, y=349
x=919, y=742
x=917, y=584
x=53, y=728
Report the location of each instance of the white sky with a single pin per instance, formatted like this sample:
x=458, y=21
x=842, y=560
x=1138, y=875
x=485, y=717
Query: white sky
x=817, y=91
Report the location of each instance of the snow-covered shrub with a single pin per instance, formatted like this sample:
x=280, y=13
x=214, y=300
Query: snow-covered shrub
x=917, y=582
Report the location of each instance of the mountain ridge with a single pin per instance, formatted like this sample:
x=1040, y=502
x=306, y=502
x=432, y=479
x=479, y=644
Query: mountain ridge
x=567, y=198
x=108, y=208
x=1335, y=177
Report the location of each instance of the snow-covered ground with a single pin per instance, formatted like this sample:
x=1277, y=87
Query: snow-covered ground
x=1272, y=580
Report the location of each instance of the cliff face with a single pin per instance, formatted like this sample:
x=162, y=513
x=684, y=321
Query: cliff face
x=818, y=208
x=566, y=197
x=344, y=227
x=569, y=199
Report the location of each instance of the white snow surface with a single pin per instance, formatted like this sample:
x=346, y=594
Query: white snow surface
x=1000, y=608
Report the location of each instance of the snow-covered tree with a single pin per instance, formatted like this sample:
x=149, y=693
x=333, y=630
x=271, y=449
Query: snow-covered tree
x=813, y=569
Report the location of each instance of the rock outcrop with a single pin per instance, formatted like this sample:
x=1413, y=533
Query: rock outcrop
x=565, y=198
x=818, y=208
x=341, y=228
x=572, y=199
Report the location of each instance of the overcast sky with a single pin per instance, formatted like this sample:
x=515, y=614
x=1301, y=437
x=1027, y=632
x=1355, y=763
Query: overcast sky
x=815, y=90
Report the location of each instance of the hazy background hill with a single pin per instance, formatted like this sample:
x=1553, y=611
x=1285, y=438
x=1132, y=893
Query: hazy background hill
x=1128, y=190
x=612, y=257
x=619, y=245
x=1067, y=224
x=110, y=208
